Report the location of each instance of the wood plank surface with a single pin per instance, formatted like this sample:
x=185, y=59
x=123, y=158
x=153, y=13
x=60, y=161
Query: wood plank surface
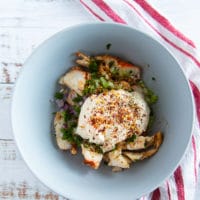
x=16, y=180
x=5, y=102
x=25, y=24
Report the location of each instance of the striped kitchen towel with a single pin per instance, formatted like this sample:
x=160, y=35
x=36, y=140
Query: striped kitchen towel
x=139, y=14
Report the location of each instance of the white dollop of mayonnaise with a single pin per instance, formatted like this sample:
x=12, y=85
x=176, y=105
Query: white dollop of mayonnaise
x=113, y=116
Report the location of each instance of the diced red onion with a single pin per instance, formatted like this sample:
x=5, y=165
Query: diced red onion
x=71, y=110
x=60, y=103
x=65, y=106
x=64, y=125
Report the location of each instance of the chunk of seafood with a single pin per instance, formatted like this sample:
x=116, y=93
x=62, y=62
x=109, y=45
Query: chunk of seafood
x=116, y=159
x=91, y=158
x=71, y=95
x=119, y=67
x=140, y=142
x=58, y=125
x=83, y=59
x=75, y=79
x=111, y=66
x=134, y=156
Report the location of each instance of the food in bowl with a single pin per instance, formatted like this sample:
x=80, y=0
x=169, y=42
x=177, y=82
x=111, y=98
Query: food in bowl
x=36, y=86
x=105, y=108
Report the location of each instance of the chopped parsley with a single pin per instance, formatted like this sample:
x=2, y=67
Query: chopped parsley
x=97, y=84
x=132, y=138
x=78, y=140
x=114, y=70
x=91, y=86
x=77, y=99
x=150, y=97
x=67, y=116
x=106, y=84
x=58, y=95
x=70, y=124
x=68, y=134
x=77, y=108
x=98, y=149
x=108, y=46
x=111, y=63
x=93, y=147
x=151, y=119
x=94, y=65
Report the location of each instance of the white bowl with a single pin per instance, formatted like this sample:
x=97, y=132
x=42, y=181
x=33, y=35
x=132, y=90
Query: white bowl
x=32, y=113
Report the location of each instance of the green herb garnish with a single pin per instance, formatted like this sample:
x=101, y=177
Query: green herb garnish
x=108, y=46
x=98, y=149
x=77, y=99
x=66, y=115
x=77, y=108
x=151, y=120
x=153, y=78
x=91, y=86
x=77, y=140
x=114, y=70
x=97, y=84
x=72, y=124
x=124, y=73
x=132, y=138
x=150, y=97
x=106, y=84
x=94, y=65
x=68, y=134
x=111, y=63
x=58, y=95
x=93, y=147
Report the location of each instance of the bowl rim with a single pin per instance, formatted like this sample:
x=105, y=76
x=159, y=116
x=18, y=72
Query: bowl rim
x=25, y=65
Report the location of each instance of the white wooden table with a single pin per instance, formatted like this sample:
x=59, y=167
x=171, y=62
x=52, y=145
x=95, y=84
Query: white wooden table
x=24, y=24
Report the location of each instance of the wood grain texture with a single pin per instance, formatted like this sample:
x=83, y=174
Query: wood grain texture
x=24, y=24
x=5, y=102
x=16, y=181
x=16, y=44
x=22, y=190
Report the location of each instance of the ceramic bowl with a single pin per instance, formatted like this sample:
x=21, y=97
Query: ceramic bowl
x=32, y=113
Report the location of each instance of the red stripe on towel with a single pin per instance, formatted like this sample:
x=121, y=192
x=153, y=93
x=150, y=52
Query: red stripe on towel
x=196, y=94
x=163, y=21
x=162, y=36
x=179, y=183
x=156, y=194
x=195, y=157
x=95, y=14
x=168, y=191
x=108, y=11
